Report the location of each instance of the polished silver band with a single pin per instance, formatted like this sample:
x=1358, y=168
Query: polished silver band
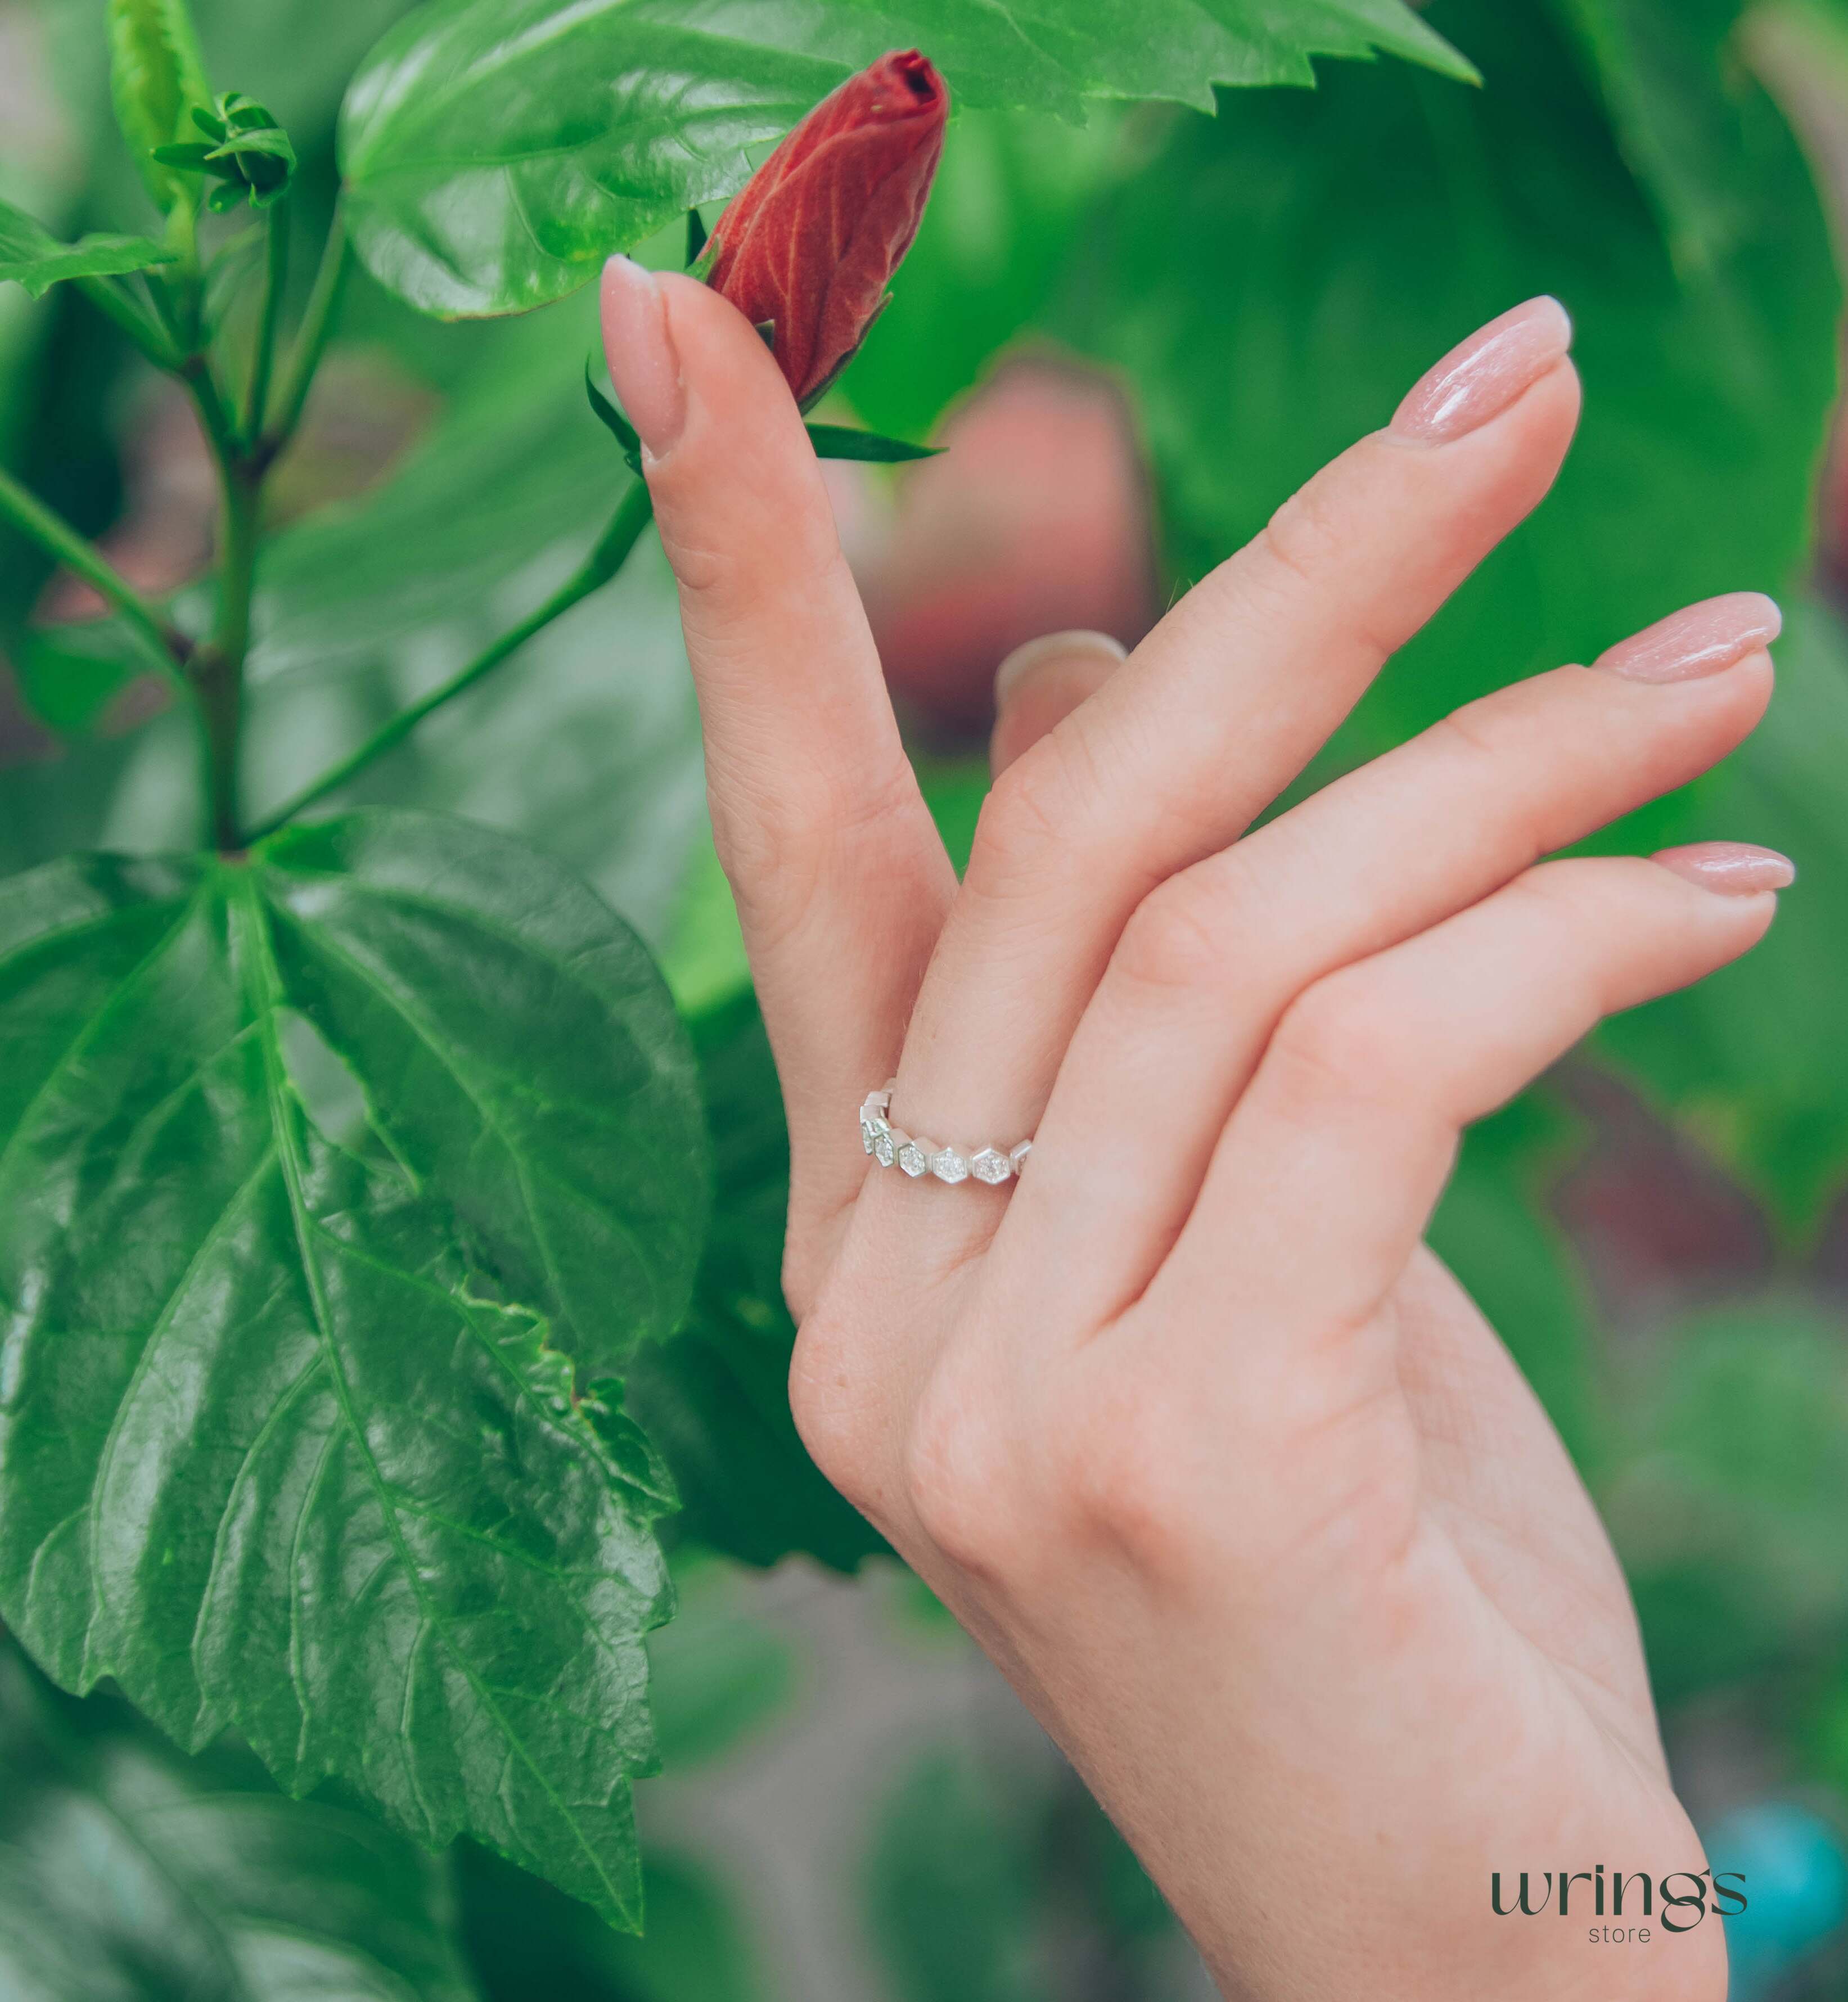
x=917, y=1157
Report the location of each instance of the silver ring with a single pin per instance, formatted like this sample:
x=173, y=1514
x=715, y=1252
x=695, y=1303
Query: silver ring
x=917, y=1157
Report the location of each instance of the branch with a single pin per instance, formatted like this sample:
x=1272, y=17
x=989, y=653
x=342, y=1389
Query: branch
x=164, y=646
x=113, y=299
x=311, y=340
x=596, y=570
x=276, y=266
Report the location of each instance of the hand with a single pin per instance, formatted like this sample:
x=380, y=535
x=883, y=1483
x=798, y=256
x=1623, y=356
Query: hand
x=1189, y=1428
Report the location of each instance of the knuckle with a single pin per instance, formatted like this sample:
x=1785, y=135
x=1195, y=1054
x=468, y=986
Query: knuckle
x=836, y=1418
x=1306, y=536
x=781, y=841
x=1121, y=1473
x=1026, y=826
x=1473, y=734
x=1176, y=937
x=1333, y=1046
x=961, y=1472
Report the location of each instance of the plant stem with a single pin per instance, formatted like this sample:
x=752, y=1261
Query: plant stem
x=276, y=266
x=311, y=340
x=110, y=298
x=164, y=646
x=216, y=669
x=612, y=549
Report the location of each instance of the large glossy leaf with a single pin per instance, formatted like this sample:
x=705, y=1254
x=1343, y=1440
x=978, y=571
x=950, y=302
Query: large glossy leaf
x=1275, y=281
x=497, y=150
x=1652, y=63
x=715, y=1399
x=128, y=1874
x=290, y=1151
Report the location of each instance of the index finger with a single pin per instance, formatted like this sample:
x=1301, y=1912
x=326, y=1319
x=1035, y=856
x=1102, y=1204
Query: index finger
x=841, y=881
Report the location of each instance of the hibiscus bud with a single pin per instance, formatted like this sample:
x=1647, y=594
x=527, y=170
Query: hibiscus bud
x=810, y=245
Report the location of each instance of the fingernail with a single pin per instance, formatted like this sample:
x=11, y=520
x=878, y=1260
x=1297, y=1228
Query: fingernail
x=1733, y=868
x=639, y=350
x=1702, y=639
x=1050, y=646
x=1479, y=379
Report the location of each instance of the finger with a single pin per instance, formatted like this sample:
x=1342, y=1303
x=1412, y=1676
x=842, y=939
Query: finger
x=1039, y=684
x=840, y=880
x=1216, y=710
x=1211, y=960
x=1327, y=1173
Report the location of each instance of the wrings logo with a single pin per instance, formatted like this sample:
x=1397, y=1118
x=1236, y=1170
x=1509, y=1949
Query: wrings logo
x=1676, y=1902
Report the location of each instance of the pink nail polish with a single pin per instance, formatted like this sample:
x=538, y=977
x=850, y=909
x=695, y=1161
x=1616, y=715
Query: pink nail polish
x=639, y=350
x=1702, y=639
x=1733, y=868
x=1479, y=379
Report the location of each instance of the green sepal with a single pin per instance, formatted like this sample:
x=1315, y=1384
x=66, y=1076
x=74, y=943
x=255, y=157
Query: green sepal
x=618, y=426
x=697, y=237
x=839, y=441
x=245, y=151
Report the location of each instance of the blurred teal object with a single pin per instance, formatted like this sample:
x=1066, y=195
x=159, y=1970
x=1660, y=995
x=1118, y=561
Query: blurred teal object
x=1795, y=1885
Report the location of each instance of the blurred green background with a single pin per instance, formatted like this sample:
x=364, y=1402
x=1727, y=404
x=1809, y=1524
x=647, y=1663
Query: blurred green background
x=1138, y=334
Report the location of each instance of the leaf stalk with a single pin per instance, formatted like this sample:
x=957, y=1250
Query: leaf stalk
x=611, y=550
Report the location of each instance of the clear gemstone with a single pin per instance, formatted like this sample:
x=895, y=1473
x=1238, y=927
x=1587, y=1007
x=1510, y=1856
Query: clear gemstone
x=990, y=1166
x=885, y=1150
x=1017, y=1155
x=914, y=1159
x=868, y=1133
x=948, y=1166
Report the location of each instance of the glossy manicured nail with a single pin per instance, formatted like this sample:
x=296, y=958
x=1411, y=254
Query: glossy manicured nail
x=1733, y=868
x=1479, y=379
x=1083, y=646
x=639, y=350
x=1716, y=633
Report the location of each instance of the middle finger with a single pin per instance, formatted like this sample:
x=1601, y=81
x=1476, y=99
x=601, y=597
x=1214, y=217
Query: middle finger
x=1216, y=711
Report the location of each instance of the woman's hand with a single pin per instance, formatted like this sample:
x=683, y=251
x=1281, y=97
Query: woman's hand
x=1193, y=1433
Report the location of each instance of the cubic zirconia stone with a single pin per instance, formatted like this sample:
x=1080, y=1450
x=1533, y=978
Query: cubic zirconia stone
x=885, y=1149
x=948, y=1166
x=868, y=1133
x=914, y=1158
x=990, y=1166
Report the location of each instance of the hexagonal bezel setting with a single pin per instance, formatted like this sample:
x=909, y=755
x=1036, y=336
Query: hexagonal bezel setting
x=916, y=1157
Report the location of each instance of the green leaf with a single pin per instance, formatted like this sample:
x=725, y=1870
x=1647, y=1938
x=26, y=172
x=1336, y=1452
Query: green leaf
x=281, y=1448
x=32, y=257
x=158, y=77
x=843, y=441
x=497, y=150
x=715, y=1399
x=1652, y=61
x=1273, y=282
x=954, y=1837
x=128, y=1874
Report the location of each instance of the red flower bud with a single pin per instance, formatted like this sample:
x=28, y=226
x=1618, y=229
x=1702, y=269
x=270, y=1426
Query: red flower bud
x=813, y=239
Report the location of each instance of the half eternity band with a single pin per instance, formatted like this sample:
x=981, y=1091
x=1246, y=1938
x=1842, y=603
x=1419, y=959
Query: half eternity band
x=918, y=1156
